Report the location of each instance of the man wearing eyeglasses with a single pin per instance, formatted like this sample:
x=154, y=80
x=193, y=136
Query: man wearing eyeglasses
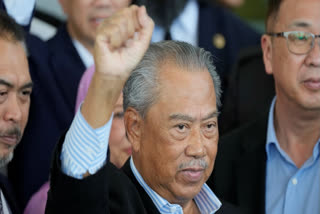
x=272, y=165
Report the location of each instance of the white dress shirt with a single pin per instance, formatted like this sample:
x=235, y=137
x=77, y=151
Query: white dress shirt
x=184, y=28
x=5, y=206
x=20, y=10
x=84, y=54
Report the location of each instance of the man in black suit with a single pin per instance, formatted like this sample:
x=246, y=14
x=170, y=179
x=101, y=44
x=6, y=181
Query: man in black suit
x=272, y=165
x=170, y=102
x=15, y=90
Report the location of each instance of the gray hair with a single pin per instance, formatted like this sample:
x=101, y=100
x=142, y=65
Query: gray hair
x=141, y=92
x=6, y=159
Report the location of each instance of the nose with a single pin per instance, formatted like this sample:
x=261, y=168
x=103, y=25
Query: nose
x=13, y=112
x=313, y=58
x=195, y=146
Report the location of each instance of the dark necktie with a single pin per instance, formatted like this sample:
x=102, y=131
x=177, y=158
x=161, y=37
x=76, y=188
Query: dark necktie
x=167, y=36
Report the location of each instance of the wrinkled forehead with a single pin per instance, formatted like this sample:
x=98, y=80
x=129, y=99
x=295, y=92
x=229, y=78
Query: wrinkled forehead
x=13, y=60
x=297, y=14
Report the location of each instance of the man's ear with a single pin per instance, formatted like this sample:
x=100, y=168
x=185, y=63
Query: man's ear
x=133, y=124
x=266, y=45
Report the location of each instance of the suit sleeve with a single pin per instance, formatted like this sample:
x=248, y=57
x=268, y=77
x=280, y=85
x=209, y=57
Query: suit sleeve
x=71, y=195
x=85, y=149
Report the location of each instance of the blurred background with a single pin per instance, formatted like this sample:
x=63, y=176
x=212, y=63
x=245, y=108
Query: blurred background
x=49, y=15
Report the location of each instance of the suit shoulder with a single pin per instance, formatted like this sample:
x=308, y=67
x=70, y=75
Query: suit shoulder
x=226, y=19
x=244, y=137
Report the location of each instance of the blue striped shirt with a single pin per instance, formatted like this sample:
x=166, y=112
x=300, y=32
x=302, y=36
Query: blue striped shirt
x=85, y=149
x=290, y=189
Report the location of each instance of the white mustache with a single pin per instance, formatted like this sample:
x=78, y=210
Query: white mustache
x=194, y=163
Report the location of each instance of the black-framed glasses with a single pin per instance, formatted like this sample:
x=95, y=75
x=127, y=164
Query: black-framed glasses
x=298, y=42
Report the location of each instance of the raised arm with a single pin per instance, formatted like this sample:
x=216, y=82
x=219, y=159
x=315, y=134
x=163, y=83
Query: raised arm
x=120, y=44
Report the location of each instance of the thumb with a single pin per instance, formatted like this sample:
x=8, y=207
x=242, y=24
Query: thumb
x=146, y=24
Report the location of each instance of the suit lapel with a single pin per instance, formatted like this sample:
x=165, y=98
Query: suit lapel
x=2, y=6
x=8, y=194
x=147, y=201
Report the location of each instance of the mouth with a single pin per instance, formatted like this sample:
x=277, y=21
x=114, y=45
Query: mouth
x=97, y=20
x=193, y=175
x=9, y=141
x=312, y=84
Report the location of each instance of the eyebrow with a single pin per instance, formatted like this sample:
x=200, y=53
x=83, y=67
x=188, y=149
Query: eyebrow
x=211, y=115
x=302, y=24
x=6, y=83
x=191, y=119
x=27, y=85
x=10, y=85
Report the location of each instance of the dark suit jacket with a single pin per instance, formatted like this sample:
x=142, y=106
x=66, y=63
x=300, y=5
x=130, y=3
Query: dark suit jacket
x=5, y=186
x=56, y=69
x=107, y=191
x=249, y=93
x=240, y=169
x=214, y=20
x=110, y=190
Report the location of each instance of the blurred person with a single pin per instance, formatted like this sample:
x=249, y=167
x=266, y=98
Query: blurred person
x=15, y=90
x=171, y=125
x=56, y=67
x=272, y=165
x=202, y=23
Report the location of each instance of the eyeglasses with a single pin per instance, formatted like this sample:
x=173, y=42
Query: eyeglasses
x=298, y=42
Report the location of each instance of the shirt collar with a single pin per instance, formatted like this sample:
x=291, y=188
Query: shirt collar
x=21, y=10
x=271, y=134
x=206, y=200
x=273, y=145
x=184, y=27
x=84, y=54
x=5, y=206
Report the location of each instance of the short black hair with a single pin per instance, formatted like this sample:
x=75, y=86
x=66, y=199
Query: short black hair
x=272, y=12
x=9, y=29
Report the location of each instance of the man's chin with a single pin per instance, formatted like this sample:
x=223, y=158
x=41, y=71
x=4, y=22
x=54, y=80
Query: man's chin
x=4, y=160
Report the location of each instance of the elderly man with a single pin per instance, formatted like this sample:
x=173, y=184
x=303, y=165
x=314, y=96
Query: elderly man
x=170, y=102
x=57, y=66
x=15, y=90
x=272, y=165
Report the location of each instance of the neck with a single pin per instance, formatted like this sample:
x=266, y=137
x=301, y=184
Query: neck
x=297, y=130
x=191, y=208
